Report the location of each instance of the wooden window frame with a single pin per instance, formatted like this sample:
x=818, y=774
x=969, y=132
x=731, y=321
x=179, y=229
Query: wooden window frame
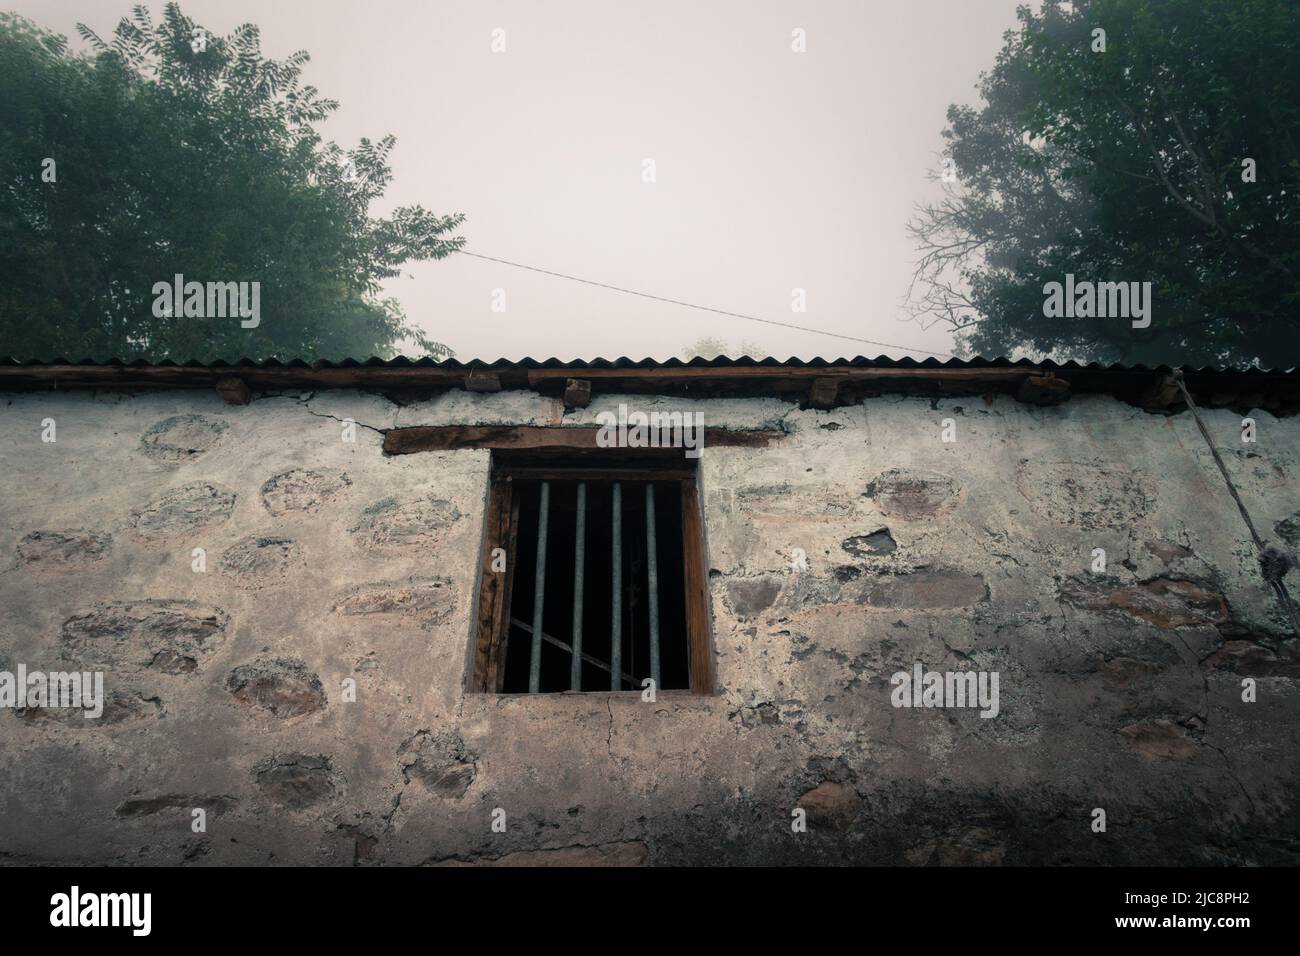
x=501, y=530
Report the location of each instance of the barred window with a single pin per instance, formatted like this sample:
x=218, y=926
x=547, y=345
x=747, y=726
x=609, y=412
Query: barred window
x=593, y=576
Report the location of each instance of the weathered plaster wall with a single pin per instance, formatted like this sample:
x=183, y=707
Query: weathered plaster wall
x=326, y=561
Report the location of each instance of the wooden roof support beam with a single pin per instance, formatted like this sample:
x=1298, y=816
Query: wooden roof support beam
x=234, y=390
x=1163, y=393
x=577, y=393
x=1045, y=389
x=824, y=393
x=482, y=380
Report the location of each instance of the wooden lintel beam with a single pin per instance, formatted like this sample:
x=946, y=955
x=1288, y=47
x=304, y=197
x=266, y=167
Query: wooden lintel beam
x=418, y=438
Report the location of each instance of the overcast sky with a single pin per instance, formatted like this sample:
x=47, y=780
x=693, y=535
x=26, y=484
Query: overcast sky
x=774, y=170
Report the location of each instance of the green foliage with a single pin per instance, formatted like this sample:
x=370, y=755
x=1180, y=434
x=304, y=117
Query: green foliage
x=204, y=162
x=1126, y=165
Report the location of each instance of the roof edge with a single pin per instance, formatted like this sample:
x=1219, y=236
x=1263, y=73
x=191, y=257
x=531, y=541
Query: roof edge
x=819, y=383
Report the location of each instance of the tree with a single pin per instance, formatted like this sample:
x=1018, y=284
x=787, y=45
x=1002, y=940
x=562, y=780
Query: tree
x=1127, y=165
x=177, y=152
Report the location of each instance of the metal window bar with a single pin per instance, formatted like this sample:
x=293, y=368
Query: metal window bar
x=595, y=662
x=616, y=596
x=652, y=579
x=579, y=570
x=539, y=593
x=615, y=669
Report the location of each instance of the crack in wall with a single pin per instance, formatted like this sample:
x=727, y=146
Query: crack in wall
x=307, y=408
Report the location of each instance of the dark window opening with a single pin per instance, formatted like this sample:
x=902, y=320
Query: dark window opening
x=627, y=605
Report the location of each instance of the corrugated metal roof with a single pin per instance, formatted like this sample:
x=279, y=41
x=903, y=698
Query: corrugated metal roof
x=818, y=382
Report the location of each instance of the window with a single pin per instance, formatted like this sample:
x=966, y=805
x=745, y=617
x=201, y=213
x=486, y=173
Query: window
x=593, y=575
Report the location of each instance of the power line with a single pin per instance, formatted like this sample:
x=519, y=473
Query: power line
x=702, y=308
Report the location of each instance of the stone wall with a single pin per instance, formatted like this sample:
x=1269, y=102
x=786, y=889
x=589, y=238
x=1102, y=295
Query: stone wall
x=326, y=561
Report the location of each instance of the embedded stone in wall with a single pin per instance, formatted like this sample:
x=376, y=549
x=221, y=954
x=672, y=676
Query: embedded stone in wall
x=195, y=849
x=281, y=688
x=1085, y=494
x=120, y=707
x=1120, y=673
x=833, y=805
x=57, y=550
x=973, y=846
x=301, y=489
x=1252, y=659
x=751, y=596
x=912, y=494
x=1160, y=740
x=870, y=545
x=1164, y=602
x=1168, y=551
x=925, y=590
x=258, y=562
x=400, y=524
x=439, y=762
x=171, y=636
x=363, y=843
x=181, y=438
x=628, y=853
x=147, y=806
x=765, y=712
x=425, y=603
x=296, y=780
x=785, y=503
x=184, y=510
x=1288, y=529
x=1265, y=472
